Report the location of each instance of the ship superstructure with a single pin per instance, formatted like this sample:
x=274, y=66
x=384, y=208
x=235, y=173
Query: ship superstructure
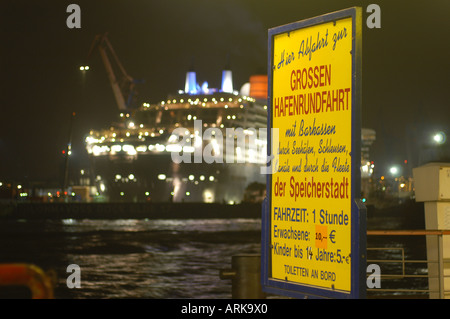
x=201, y=144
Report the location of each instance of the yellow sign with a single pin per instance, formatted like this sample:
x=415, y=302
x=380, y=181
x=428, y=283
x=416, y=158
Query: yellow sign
x=310, y=209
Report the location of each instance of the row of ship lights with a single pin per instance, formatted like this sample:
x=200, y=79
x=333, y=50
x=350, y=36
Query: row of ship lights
x=158, y=147
x=161, y=177
x=205, y=100
x=118, y=177
x=131, y=125
x=131, y=150
x=189, y=117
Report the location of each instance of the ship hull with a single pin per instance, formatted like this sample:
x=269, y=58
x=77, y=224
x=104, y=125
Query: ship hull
x=157, y=178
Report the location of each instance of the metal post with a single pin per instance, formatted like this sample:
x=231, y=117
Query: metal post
x=441, y=266
x=245, y=277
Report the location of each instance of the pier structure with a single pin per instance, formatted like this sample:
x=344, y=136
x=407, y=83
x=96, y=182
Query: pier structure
x=432, y=182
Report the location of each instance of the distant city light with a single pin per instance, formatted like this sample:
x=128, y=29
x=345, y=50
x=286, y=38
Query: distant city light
x=393, y=170
x=439, y=137
x=84, y=68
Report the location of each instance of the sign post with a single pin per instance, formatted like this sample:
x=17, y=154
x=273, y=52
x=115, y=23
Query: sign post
x=313, y=230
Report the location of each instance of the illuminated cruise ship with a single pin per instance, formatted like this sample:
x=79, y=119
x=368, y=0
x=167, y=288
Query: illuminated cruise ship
x=176, y=150
x=199, y=145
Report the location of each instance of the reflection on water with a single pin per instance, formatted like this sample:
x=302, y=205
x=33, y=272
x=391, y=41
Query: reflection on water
x=130, y=258
x=133, y=258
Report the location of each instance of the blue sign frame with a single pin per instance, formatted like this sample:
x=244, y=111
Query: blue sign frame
x=358, y=210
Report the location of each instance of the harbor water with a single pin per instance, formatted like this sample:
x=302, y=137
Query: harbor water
x=130, y=258
x=151, y=258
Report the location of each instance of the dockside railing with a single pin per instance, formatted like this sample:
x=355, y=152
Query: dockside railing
x=402, y=274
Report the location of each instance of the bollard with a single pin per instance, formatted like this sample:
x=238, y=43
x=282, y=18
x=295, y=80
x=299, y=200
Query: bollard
x=245, y=275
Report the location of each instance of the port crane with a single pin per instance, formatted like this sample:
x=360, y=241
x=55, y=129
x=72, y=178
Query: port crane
x=123, y=85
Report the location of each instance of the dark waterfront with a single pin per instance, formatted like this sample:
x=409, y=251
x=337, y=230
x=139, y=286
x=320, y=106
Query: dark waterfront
x=161, y=258
x=133, y=258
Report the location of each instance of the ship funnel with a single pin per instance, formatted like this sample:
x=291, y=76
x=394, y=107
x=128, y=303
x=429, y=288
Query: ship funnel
x=227, y=81
x=258, y=86
x=191, y=81
x=227, y=78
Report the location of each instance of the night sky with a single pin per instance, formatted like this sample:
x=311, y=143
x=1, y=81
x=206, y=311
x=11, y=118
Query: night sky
x=406, y=68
